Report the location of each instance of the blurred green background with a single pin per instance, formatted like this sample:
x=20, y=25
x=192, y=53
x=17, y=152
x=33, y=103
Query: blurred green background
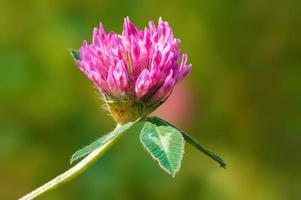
x=242, y=100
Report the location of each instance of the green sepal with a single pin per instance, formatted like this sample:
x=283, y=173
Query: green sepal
x=164, y=143
x=101, y=141
x=192, y=141
x=75, y=55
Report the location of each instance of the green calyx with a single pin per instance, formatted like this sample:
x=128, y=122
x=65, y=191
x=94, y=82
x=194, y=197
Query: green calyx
x=127, y=110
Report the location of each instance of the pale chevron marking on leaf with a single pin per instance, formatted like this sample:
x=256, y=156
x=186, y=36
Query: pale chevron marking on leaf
x=165, y=144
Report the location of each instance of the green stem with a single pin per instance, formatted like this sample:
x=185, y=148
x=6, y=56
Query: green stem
x=72, y=172
x=200, y=147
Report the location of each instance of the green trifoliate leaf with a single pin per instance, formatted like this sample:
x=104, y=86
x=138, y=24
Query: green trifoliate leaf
x=101, y=141
x=75, y=55
x=165, y=144
x=192, y=141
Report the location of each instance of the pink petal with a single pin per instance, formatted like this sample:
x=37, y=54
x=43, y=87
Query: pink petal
x=120, y=76
x=142, y=84
x=166, y=88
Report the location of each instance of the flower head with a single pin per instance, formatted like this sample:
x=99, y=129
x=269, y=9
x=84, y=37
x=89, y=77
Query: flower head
x=135, y=71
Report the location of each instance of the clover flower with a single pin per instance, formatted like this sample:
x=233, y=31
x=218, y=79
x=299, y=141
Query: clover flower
x=135, y=71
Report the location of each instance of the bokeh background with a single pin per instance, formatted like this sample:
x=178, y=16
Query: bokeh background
x=242, y=100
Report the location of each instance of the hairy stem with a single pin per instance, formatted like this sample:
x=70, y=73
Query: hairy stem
x=72, y=172
x=200, y=147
